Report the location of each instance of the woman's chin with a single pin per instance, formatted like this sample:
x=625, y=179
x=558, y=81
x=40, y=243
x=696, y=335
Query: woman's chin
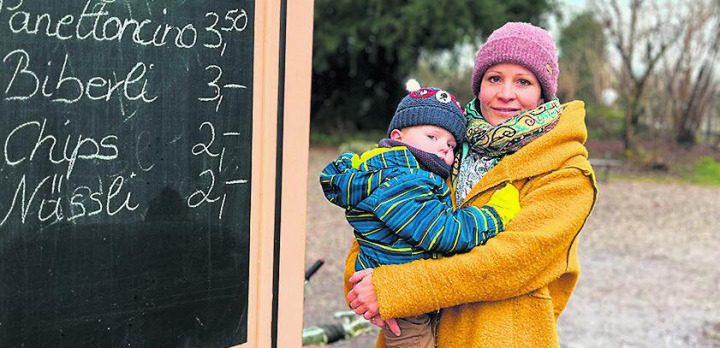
x=497, y=118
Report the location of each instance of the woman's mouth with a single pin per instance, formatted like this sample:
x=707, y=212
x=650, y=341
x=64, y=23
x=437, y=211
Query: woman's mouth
x=506, y=111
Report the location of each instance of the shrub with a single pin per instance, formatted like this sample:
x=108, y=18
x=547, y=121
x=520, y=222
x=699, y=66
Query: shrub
x=706, y=171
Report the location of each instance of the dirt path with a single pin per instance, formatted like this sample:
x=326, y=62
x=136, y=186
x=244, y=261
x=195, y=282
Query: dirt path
x=650, y=255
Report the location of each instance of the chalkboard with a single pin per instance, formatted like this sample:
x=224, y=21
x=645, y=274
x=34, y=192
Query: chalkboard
x=126, y=134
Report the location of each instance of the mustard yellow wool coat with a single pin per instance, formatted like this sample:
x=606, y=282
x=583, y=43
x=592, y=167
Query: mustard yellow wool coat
x=509, y=292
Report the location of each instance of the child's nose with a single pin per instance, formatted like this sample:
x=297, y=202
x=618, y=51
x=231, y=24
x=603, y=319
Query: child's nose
x=448, y=158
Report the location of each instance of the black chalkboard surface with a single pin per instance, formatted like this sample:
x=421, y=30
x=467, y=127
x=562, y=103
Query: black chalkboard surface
x=126, y=134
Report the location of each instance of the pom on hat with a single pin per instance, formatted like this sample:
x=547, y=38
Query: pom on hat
x=412, y=85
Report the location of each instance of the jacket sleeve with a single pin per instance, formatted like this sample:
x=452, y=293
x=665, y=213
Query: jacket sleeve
x=533, y=251
x=411, y=207
x=341, y=183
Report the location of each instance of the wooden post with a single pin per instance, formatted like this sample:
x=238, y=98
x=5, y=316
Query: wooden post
x=286, y=67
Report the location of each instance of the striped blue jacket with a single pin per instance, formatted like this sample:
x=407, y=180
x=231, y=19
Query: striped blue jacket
x=400, y=212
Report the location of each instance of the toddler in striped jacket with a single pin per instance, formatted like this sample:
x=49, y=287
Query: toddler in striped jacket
x=398, y=202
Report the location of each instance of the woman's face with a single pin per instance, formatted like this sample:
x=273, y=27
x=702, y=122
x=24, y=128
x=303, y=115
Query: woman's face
x=507, y=89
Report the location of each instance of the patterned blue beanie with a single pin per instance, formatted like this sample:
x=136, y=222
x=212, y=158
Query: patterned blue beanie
x=430, y=106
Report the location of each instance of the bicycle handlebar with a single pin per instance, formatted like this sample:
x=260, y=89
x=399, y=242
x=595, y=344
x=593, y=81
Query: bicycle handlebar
x=314, y=268
x=323, y=334
x=351, y=325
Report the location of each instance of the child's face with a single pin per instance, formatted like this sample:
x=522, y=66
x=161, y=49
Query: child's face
x=431, y=139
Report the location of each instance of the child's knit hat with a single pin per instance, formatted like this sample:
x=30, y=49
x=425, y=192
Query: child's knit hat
x=429, y=106
x=523, y=44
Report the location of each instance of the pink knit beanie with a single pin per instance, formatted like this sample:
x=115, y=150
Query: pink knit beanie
x=523, y=44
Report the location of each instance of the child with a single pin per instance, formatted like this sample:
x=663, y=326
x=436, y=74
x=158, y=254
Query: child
x=413, y=164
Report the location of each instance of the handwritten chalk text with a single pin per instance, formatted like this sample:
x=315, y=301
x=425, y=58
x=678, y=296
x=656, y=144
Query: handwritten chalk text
x=75, y=148
x=25, y=83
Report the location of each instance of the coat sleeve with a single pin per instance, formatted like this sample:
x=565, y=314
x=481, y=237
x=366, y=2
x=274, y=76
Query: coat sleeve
x=350, y=267
x=411, y=207
x=532, y=252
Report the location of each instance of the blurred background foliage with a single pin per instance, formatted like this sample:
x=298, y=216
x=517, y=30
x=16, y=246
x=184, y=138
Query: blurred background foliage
x=365, y=50
x=646, y=70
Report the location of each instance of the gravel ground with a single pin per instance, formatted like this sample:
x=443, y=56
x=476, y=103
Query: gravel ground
x=649, y=254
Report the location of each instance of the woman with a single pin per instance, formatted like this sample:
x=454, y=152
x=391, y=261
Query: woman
x=509, y=292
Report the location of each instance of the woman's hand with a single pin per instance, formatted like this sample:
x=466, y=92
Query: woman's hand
x=390, y=324
x=363, y=300
x=362, y=297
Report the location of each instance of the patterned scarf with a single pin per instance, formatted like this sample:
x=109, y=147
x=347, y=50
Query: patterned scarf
x=514, y=133
x=489, y=144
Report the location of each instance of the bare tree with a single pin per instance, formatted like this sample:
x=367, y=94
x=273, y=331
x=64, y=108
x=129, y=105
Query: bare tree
x=641, y=34
x=689, y=119
x=686, y=82
x=583, y=60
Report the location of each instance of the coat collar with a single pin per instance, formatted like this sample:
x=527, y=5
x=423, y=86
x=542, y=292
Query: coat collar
x=563, y=146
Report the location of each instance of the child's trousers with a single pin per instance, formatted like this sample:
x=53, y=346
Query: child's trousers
x=416, y=331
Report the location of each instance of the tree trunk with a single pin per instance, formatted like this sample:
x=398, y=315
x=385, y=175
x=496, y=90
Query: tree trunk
x=629, y=133
x=632, y=115
x=685, y=137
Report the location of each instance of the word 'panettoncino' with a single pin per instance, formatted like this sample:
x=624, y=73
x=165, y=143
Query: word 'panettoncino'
x=95, y=23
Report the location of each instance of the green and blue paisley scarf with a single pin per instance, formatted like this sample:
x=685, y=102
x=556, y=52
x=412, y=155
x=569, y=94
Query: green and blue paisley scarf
x=489, y=144
x=511, y=135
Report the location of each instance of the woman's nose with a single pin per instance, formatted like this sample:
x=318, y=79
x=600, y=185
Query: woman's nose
x=507, y=92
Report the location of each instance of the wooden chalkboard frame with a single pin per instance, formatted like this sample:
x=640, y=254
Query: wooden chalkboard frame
x=283, y=42
x=279, y=156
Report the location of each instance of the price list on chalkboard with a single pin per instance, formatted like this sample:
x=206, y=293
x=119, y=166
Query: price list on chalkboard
x=126, y=134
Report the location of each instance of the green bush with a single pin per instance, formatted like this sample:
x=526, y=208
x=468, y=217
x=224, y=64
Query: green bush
x=706, y=171
x=604, y=123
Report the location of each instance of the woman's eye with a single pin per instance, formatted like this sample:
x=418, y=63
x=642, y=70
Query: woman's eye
x=494, y=79
x=432, y=137
x=452, y=146
x=525, y=82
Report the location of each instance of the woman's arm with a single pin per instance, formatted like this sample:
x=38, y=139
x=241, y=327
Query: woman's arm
x=533, y=251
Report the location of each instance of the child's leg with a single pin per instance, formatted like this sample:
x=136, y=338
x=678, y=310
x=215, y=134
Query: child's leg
x=416, y=331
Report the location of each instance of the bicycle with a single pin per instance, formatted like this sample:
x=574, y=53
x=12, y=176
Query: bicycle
x=350, y=325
